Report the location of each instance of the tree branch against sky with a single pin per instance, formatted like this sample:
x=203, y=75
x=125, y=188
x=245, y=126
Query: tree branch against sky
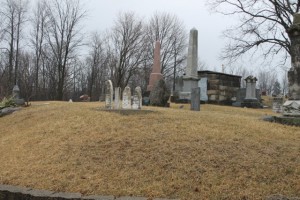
x=64, y=35
x=262, y=28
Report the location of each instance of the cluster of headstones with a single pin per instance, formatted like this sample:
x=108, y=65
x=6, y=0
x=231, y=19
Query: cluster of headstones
x=127, y=102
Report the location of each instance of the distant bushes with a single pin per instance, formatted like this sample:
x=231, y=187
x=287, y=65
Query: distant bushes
x=7, y=102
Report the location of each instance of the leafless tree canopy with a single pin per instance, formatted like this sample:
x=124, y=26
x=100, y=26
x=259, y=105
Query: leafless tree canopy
x=263, y=26
x=127, y=42
x=63, y=36
x=55, y=61
x=171, y=33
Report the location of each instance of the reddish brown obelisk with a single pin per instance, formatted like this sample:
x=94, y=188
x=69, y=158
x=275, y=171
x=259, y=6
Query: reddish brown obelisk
x=156, y=69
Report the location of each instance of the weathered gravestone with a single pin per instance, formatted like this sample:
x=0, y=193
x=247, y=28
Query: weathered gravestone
x=203, y=89
x=135, y=102
x=195, y=99
x=117, y=97
x=126, y=102
x=16, y=96
x=16, y=92
x=277, y=104
x=109, y=94
x=137, y=98
x=241, y=95
x=250, y=100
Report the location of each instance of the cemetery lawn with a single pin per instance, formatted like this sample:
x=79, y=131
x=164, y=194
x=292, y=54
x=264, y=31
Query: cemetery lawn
x=219, y=153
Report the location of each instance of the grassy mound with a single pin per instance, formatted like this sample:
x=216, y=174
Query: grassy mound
x=218, y=153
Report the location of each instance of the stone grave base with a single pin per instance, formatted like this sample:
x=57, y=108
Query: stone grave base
x=291, y=108
x=19, y=102
x=251, y=103
x=292, y=121
x=8, y=110
x=126, y=111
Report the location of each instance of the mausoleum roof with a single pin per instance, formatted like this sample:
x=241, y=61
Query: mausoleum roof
x=212, y=72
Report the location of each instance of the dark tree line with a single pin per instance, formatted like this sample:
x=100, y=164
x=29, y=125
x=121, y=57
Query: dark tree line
x=47, y=53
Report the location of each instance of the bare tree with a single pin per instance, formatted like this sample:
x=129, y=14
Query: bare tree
x=171, y=33
x=263, y=26
x=202, y=65
x=39, y=21
x=21, y=8
x=13, y=14
x=127, y=44
x=26, y=75
x=63, y=36
x=266, y=80
x=97, y=69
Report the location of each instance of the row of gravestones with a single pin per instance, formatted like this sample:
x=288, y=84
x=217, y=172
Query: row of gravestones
x=127, y=102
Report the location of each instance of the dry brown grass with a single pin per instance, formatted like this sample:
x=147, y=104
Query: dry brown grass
x=218, y=153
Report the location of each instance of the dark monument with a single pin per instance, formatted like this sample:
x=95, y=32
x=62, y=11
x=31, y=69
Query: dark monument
x=195, y=99
x=292, y=106
x=16, y=96
x=250, y=100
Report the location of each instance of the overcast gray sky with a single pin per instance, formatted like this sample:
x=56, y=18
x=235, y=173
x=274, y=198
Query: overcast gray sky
x=194, y=14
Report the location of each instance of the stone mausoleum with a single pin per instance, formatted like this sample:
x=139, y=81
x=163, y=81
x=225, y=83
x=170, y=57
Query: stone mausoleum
x=220, y=88
x=215, y=87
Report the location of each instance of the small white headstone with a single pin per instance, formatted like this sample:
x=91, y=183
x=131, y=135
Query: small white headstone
x=109, y=95
x=117, y=97
x=126, y=103
x=135, y=102
x=138, y=91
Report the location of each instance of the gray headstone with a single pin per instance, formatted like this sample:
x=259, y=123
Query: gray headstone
x=241, y=94
x=250, y=87
x=135, y=102
x=109, y=95
x=195, y=99
x=138, y=91
x=277, y=104
x=117, y=97
x=203, y=89
x=16, y=92
x=137, y=98
x=16, y=96
x=126, y=100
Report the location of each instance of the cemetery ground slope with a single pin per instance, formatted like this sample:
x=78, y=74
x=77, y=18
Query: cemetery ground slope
x=218, y=153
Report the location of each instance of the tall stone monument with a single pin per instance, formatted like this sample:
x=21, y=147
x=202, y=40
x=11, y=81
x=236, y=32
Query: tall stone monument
x=156, y=69
x=190, y=78
x=292, y=106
